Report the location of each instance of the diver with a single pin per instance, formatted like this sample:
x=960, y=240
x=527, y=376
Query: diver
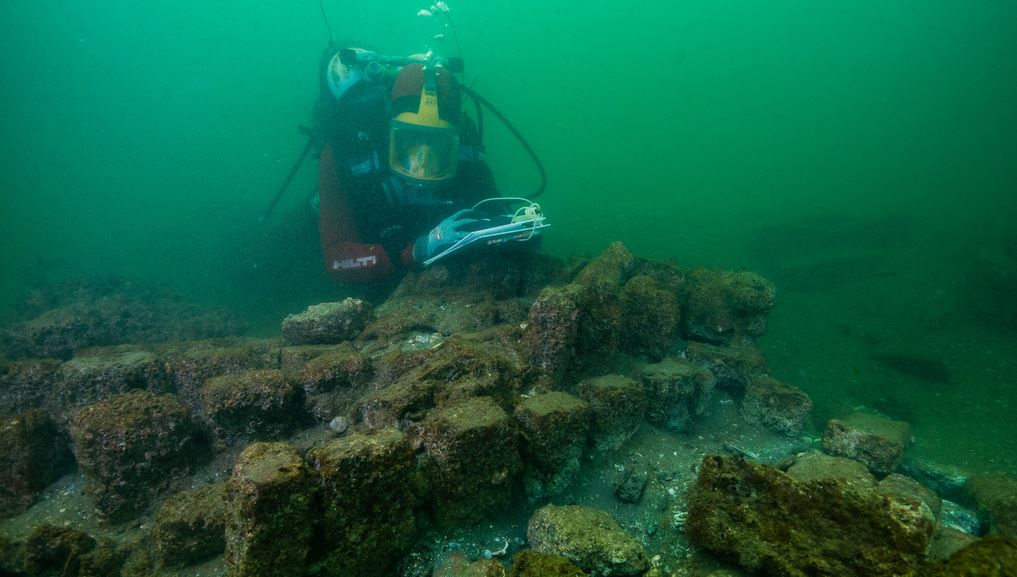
x=402, y=180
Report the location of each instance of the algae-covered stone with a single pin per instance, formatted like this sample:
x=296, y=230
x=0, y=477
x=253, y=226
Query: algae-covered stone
x=771, y=524
x=876, y=441
x=649, y=321
x=676, y=391
x=66, y=552
x=817, y=466
x=27, y=384
x=589, y=538
x=720, y=306
x=734, y=366
x=340, y=367
x=34, y=452
x=987, y=557
x=907, y=488
x=327, y=322
x=946, y=541
x=367, y=491
x=553, y=428
x=253, y=405
x=617, y=404
x=202, y=361
x=269, y=512
x=530, y=563
x=777, y=406
x=553, y=328
x=996, y=495
x=600, y=322
x=129, y=447
x=472, y=460
x=97, y=374
x=190, y=526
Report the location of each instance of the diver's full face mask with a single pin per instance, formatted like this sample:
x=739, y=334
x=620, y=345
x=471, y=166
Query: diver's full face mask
x=423, y=154
x=424, y=148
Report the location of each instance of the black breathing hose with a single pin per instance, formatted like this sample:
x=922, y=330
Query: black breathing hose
x=526, y=145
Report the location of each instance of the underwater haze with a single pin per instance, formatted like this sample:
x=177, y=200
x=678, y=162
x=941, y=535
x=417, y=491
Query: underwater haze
x=861, y=155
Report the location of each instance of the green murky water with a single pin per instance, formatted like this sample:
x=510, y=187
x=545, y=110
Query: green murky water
x=861, y=155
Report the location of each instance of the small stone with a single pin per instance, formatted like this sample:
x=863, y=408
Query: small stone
x=338, y=425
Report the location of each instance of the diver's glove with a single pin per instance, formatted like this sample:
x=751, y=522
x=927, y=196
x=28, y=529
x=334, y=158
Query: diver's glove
x=448, y=232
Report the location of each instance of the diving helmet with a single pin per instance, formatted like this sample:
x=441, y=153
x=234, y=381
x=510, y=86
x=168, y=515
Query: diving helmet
x=423, y=135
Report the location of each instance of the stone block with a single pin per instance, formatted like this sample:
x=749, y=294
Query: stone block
x=252, y=405
x=473, y=460
x=553, y=328
x=96, y=374
x=191, y=526
x=676, y=391
x=778, y=406
x=589, y=538
x=767, y=522
x=649, y=318
x=996, y=496
x=341, y=367
x=617, y=404
x=328, y=323
x=553, y=427
x=734, y=366
x=201, y=361
x=817, y=466
x=368, y=496
x=720, y=307
x=34, y=452
x=129, y=447
x=269, y=512
x=877, y=442
x=27, y=384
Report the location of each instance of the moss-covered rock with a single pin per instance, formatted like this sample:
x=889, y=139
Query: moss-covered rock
x=530, y=563
x=97, y=374
x=252, y=405
x=129, y=447
x=874, y=440
x=195, y=363
x=341, y=367
x=269, y=518
x=190, y=526
x=771, y=524
x=66, y=552
x=815, y=466
x=734, y=366
x=472, y=460
x=328, y=322
x=649, y=318
x=27, y=384
x=34, y=452
x=996, y=496
x=987, y=557
x=367, y=492
x=617, y=404
x=720, y=307
x=553, y=428
x=553, y=328
x=587, y=537
x=778, y=406
x=460, y=369
x=292, y=359
x=676, y=391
